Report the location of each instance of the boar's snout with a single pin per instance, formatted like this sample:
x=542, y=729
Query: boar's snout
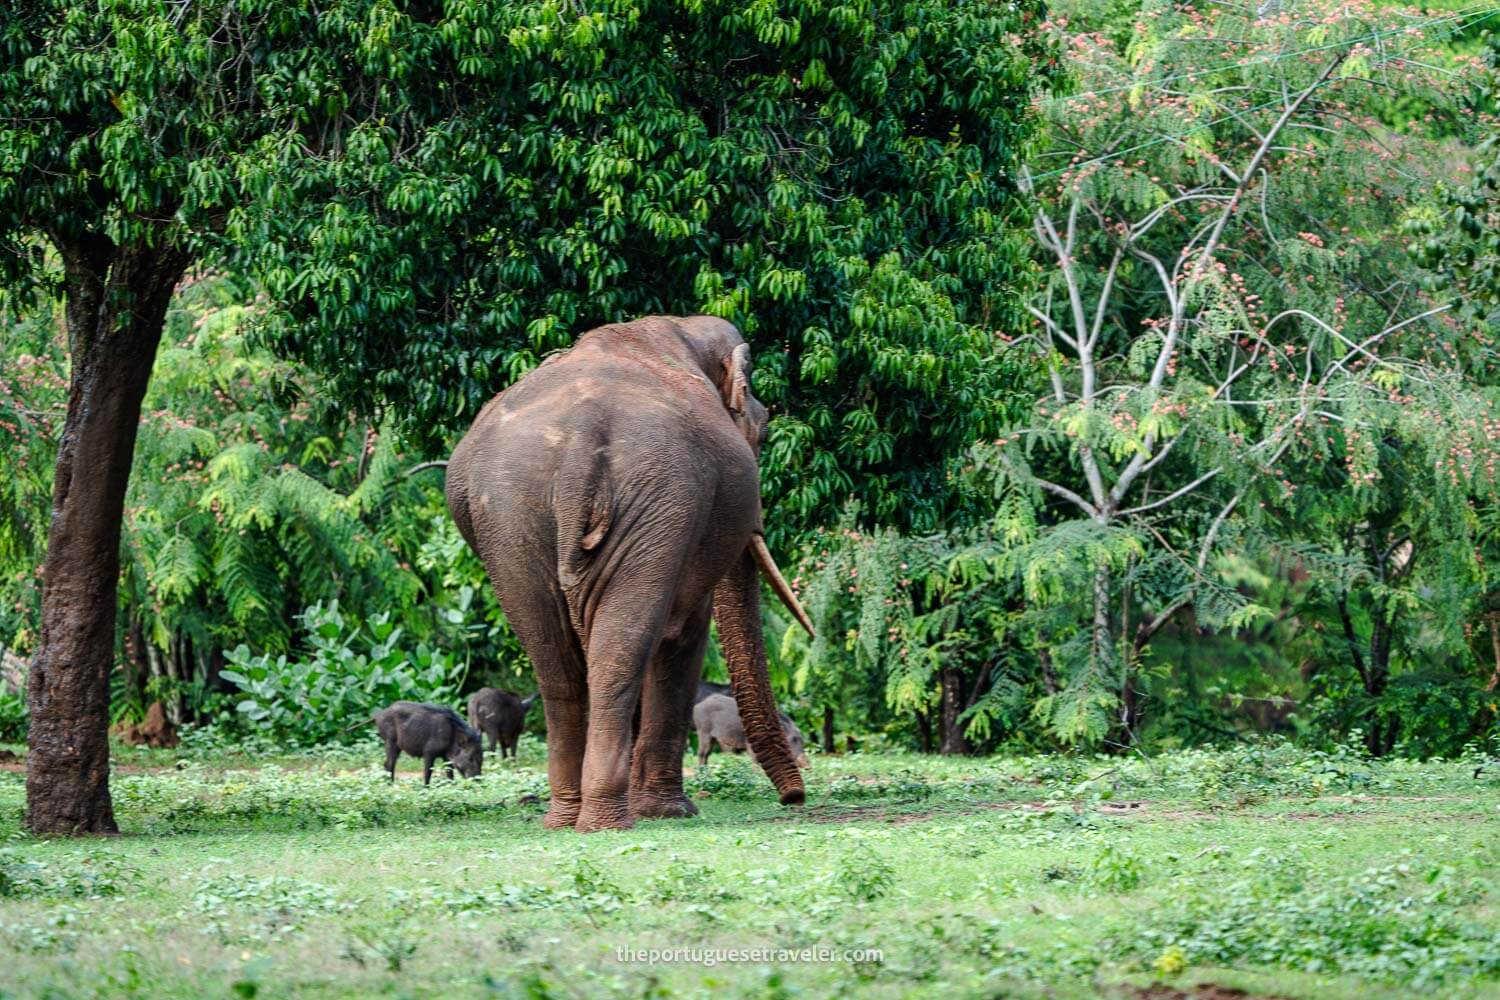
x=469, y=759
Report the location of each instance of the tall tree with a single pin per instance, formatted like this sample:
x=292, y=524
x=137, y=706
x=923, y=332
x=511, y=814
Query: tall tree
x=126, y=125
x=1219, y=305
x=838, y=179
x=1460, y=246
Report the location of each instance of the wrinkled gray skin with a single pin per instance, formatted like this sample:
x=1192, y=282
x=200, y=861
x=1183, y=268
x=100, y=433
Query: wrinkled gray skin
x=614, y=496
x=499, y=715
x=717, y=719
x=430, y=732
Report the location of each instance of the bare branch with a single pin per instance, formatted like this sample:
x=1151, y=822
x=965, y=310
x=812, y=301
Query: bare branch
x=1052, y=327
x=1181, y=491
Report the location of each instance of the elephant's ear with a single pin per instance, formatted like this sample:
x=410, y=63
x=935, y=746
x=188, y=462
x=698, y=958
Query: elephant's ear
x=736, y=385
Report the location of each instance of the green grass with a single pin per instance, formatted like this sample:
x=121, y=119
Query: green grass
x=1269, y=869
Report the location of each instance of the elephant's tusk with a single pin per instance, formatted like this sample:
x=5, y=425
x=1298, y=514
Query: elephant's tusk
x=778, y=582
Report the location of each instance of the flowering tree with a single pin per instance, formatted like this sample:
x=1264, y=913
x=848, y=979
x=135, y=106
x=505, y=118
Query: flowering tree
x=1460, y=244
x=1227, y=307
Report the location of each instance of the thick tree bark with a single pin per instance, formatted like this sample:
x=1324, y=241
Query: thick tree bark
x=116, y=304
x=924, y=731
x=1494, y=617
x=828, y=746
x=954, y=741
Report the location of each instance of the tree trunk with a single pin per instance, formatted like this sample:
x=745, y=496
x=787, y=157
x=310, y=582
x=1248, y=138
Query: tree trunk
x=1099, y=637
x=1495, y=644
x=174, y=679
x=211, y=664
x=828, y=729
x=1130, y=708
x=1049, y=673
x=954, y=741
x=924, y=731
x=137, y=666
x=1380, y=738
x=153, y=660
x=116, y=304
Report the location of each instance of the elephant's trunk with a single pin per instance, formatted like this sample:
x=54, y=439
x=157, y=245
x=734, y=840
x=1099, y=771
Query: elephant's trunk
x=737, y=612
x=777, y=581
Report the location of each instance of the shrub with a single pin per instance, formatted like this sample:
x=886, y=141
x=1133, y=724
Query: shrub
x=351, y=670
x=14, y=718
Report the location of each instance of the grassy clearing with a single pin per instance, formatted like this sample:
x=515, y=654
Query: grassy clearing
x=1268, y=869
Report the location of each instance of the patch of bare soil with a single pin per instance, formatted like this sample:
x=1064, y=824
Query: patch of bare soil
x=834, y=813
x=17, y=765
x=1202, y=991
x=847, y=814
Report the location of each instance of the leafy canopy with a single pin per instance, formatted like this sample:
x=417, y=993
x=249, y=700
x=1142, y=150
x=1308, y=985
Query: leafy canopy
x=836, y=178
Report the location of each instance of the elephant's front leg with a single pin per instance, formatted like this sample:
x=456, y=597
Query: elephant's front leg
x=666, y=710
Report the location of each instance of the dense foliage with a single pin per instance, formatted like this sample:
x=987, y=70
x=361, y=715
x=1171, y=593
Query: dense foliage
x=1255, y=424
x=253, y=497
x=838, y=179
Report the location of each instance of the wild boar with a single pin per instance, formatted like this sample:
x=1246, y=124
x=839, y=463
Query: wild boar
x=707, y=689
x=718, y=718
x=430, y=732
x=499, y=715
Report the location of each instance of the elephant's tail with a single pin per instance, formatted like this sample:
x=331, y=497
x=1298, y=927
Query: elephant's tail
x=582, y=499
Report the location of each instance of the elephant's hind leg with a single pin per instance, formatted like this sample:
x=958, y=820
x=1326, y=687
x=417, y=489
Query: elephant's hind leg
x=666, y=714
x=565, y=702
x=626, y=630
x=540, y=620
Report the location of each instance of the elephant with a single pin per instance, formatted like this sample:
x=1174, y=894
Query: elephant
x=613, y=495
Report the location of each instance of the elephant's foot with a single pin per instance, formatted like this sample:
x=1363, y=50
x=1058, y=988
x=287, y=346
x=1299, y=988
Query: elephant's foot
x=661, y=807
x=561, y=815
x=610, y=814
